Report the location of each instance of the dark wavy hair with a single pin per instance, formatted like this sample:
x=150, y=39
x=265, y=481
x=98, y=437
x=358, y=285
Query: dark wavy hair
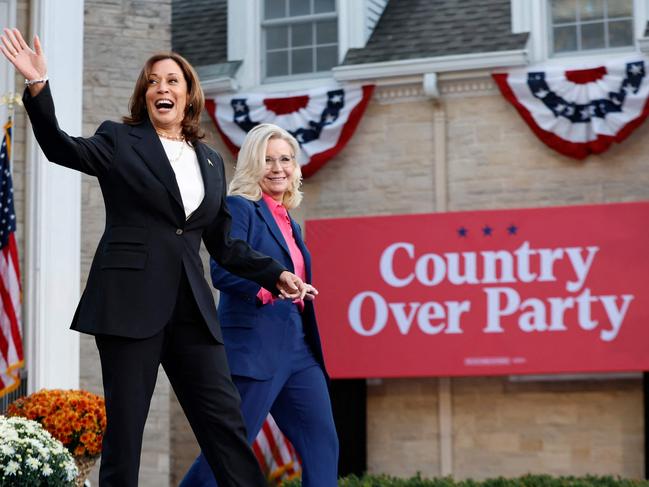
x=195, y=99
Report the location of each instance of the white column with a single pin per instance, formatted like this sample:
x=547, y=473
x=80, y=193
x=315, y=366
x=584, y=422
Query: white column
x=351, y=27
x=640, y=16
x=52, y=271
x=244, y=40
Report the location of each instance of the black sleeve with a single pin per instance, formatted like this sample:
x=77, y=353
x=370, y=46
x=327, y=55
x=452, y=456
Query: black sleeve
x=92, y=155
x=235, y=255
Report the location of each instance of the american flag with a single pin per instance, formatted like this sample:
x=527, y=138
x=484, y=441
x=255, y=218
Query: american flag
x=11, y=346
x=275, y=454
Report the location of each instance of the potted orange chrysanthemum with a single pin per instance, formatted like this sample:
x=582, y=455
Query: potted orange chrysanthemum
x=75, y=418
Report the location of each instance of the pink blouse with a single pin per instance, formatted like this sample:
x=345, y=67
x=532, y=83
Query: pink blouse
x=280, y=214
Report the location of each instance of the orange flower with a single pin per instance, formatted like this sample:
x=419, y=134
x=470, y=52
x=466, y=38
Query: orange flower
x=76, y=418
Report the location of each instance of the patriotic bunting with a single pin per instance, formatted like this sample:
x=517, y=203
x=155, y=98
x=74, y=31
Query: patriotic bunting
x=580, y=112
x=322, y=120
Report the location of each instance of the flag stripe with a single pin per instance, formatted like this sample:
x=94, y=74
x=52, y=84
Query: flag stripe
x=274, y=449
x=275, y=453
x=8, y=306
x=11, y=348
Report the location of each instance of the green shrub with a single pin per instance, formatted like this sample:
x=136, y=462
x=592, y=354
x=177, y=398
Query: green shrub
x=525, y=481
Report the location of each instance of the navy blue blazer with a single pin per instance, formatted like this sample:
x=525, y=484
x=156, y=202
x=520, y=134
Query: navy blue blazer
x=255, y=335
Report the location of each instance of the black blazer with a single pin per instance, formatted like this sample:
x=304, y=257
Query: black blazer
x=133, y=282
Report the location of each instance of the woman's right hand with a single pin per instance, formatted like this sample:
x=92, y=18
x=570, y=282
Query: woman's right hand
x=29, y=62
x=311, y=292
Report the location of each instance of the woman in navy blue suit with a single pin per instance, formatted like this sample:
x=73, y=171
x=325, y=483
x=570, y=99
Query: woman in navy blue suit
x=273, y=346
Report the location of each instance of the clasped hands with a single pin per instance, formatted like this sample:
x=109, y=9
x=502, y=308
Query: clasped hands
x=292, y=287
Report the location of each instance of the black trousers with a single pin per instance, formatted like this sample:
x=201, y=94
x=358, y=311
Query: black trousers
x=199, y=374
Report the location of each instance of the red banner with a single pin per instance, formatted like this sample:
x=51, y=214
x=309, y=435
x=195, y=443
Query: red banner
x=542, y=290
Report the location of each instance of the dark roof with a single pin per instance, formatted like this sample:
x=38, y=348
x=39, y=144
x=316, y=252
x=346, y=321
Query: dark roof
x=199, y=30
x=410, y=29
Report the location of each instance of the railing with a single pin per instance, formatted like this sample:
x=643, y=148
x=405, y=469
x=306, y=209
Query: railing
x=12, y=396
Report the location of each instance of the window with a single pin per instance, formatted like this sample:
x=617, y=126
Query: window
x=299, y=37
x=582, y=25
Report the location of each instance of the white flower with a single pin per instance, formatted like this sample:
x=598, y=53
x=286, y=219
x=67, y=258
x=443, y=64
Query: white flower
x=71, y=471
x=6, y=449
x=9, y=434
x=12, y=467
x=28, y=451
x=33, y=463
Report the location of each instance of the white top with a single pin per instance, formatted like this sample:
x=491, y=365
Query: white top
x=184, y=162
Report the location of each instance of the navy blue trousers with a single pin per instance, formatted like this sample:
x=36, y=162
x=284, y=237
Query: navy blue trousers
x=298, y=399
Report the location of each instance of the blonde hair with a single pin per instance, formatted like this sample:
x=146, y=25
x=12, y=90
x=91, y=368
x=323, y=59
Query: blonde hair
x=251, y=165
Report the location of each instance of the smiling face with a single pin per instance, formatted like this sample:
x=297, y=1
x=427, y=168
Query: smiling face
x=280, y=165
x=166, y=96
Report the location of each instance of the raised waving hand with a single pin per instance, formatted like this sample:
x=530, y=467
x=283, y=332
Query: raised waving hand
x=29, y=62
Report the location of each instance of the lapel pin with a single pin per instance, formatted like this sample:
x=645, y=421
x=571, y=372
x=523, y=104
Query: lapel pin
x=210, y=162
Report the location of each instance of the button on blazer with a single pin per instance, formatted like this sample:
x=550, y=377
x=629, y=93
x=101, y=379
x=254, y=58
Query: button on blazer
x=147, y=241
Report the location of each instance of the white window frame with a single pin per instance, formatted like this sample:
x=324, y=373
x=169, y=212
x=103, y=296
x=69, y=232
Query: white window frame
x=533, y=16
x=289, y=21
x=579, y=24
x=244, y=22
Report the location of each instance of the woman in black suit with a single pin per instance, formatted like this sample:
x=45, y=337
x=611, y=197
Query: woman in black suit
x=146, y=300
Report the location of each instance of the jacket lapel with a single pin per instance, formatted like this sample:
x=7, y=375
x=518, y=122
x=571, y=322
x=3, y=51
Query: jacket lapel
x=268, y=218
x=297, y=234
x=151, y=151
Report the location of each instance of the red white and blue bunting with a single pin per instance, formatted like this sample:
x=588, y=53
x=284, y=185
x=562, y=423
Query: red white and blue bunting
x=322, y=120
x=580, y=112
